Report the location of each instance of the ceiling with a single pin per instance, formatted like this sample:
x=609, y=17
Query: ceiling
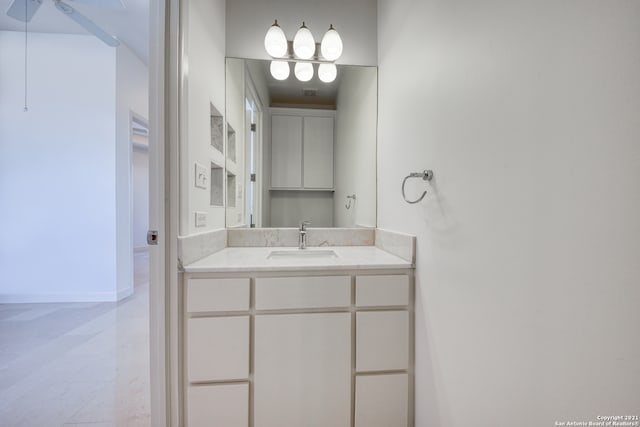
x=130, y=26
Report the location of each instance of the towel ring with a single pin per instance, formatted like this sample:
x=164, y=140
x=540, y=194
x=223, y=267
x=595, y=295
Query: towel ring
x=349, y=198
x=426, y=175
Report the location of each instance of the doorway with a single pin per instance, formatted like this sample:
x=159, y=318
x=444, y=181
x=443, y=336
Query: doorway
x=253, y=153
x=140, y=182
x=140, y=199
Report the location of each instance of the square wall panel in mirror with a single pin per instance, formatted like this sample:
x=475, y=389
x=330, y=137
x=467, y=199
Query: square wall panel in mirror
x=300, y=151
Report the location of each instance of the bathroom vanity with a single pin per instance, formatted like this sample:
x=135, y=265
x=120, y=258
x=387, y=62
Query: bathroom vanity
x=279, y=337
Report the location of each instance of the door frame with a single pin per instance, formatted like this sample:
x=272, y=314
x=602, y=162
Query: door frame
x=163, y=209
x=250, y=92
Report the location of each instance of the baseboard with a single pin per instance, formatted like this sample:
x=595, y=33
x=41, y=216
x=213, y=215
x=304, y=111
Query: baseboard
x=124, y=293
x=71, y=297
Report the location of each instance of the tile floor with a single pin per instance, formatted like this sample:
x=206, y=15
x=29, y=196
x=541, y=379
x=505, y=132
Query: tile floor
x=77, y=364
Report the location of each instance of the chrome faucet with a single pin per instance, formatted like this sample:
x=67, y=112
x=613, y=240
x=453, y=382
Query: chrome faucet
x=302, y=239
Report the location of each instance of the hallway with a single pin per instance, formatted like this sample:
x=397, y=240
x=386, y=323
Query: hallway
x=76, y=364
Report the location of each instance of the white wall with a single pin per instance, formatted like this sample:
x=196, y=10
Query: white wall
x=355, y=20
x=203, y=81
x=132, y=96
x=527, y=265
x=355, y=147
x=66, y=168
x=57, y=174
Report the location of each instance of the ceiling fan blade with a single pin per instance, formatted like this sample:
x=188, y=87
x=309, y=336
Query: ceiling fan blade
x=109, y=4
x=86, y=23
x=17, y=9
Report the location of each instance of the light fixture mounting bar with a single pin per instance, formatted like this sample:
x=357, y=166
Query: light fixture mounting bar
x=316, y=59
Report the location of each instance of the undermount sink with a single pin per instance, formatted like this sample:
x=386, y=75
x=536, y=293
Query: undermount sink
x=302, y=254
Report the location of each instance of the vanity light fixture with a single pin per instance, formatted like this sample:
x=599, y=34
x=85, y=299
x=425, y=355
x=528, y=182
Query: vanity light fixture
x=275, y=42
x=303, y=71
x=280, y=70
x=305, y=53
x=327, y=72
x=304, y=45
x=331, y=46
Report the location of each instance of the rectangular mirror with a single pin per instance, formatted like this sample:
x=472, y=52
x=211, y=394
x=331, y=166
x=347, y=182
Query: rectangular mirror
x=300, y=151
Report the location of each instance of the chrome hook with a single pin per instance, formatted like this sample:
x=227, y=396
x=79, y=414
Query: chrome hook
x=426, y=175
x=348, y=206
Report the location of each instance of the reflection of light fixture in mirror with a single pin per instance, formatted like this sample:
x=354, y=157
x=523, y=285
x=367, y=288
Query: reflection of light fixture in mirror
x=303, y=71
x=280, y=70
x=327, y=72
x=275, y=42
x=304, y=45
x=331, y=46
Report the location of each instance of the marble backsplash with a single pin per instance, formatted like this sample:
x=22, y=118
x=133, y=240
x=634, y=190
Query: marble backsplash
x=399, y=244
x=195, y=247
x=252, y=237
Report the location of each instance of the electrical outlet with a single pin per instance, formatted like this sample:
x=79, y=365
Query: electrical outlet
x=201, y=219
x=201, y=176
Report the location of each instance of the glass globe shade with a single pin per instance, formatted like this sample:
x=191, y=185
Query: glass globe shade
x=275, y=42
x=304, y=46
x=331, y=46
x=280, y=70
x=327, y=72
x=303, y=71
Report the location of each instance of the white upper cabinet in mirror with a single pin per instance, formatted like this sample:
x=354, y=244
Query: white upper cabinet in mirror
x=302, y=151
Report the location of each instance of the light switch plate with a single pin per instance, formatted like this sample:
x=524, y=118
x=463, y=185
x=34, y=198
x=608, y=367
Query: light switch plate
x=201, y=219
x=201, y=176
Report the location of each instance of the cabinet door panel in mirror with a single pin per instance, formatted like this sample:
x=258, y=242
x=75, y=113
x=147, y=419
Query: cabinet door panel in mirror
x=286, y=149
x=318, y=152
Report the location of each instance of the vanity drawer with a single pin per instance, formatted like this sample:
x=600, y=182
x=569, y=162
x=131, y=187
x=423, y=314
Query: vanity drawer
x=218, y=405
x=217, y=348
x=382, y=340
x=382, y=400
x=273, y=293
x=206, y=295
x=391, y=290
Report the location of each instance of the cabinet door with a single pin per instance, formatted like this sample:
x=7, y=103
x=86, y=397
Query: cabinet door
x=302, y=374
x=286, y=152
x=318, y=152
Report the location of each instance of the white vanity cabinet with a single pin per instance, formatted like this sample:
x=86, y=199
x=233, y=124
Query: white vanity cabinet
x=302, y=149
x=291, y=349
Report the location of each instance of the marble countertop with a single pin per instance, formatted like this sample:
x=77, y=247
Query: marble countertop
x=256, y=259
